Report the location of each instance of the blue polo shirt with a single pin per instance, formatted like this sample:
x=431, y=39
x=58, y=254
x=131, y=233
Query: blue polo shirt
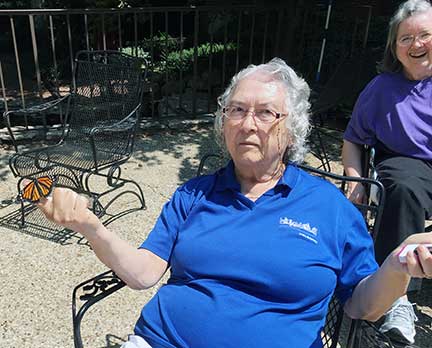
x=253, y=274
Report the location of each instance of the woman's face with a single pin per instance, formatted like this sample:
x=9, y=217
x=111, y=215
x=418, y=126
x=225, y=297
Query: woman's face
x=249, y=141
x=412, y=50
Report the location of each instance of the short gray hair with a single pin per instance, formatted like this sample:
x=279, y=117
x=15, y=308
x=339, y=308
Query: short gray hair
x=297, y=104
x=409, y=8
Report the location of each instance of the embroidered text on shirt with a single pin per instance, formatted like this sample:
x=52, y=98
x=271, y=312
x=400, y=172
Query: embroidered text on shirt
x=303, y=226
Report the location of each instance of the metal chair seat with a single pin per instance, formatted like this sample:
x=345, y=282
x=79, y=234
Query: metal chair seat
x=74, y=155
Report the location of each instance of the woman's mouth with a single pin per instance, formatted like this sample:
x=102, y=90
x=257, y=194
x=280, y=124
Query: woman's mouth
x=247, y=143
x=417, y=55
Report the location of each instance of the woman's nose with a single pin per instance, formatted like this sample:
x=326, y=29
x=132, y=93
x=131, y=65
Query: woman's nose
x=249, y=120
x=417, y=43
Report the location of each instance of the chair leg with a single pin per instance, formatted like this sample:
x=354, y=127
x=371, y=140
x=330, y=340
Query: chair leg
x=22, y=224
x=355, y=334
x=22, y=214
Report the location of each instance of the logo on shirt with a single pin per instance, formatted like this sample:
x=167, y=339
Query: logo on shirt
x=304, y=227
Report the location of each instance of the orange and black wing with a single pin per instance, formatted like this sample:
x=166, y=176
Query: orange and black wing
x=45, y=185
x=30, y=192
x=38, y=188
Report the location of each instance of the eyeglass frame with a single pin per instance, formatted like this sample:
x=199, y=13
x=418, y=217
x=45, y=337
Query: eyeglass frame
x=414, y=38
x=277, y=115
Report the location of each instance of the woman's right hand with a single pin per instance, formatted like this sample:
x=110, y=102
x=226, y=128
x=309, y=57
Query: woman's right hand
x=356, y=193
x=69, y=209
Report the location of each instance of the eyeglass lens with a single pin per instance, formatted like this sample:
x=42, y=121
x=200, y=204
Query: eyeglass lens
x=410, y=39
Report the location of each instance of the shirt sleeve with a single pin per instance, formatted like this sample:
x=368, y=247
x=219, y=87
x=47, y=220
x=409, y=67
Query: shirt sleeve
x=161, y=239
x=358, y=258
x=361, y=127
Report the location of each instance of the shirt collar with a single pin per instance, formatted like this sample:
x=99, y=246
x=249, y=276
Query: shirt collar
x=227, y=179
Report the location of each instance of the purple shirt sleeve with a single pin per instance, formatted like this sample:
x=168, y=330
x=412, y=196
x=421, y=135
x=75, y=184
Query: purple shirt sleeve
x=361, y=127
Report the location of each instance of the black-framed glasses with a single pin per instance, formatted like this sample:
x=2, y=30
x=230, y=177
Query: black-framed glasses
x=408, y=40
x=237, y=113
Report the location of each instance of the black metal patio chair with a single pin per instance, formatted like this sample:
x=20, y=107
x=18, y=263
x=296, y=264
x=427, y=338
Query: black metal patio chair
x=369, y=171
x=99, y=123
x=93, y=290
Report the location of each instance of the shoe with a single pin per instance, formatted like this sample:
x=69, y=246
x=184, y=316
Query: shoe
x=399, y=322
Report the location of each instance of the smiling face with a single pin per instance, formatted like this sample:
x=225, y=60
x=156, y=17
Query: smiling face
x=249, y=142
x=416, y=58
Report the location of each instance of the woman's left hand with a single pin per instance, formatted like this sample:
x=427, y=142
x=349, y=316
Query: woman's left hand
x=418, y=264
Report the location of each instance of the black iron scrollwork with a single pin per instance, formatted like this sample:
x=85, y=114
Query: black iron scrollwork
x=113, y=177
x=42, y=163
x=100, y=285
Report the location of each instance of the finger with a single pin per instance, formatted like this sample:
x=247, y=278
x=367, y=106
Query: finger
x=413, y=265
x=42, y=201
x=63, y=202
x=81, y=203
x=25, y=182
x=46, y=206
x=425, y=260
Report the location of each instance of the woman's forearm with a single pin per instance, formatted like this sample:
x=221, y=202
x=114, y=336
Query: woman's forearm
x=351, y=158
x=375, y=294
x=138, y=268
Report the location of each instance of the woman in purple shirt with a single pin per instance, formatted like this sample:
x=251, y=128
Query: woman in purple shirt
x=394, y=115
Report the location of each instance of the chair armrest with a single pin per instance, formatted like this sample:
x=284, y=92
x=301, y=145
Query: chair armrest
x=35, y=109
x=375, y=207
x=206, y=161
x=38, y=107
x=92, y=291
x=124, y=124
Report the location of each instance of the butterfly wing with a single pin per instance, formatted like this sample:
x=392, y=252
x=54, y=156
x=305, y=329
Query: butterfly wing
x=38, y=188
x=44, y=185
x=30, y=192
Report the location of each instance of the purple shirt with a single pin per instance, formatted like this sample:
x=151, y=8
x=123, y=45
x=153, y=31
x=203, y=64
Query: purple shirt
x=396, y=112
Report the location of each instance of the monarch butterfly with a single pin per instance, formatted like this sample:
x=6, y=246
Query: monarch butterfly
x=38, y=188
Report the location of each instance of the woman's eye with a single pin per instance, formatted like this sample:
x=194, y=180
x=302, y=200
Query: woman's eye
x=425, y=36
x=405, y=39
x=265, y=113
x=237, y=109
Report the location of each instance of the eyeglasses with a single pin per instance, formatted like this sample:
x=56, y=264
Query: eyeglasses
x=408, y=40
x=237, y=113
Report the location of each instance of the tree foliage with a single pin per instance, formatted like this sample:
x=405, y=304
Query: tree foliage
x=170, y=56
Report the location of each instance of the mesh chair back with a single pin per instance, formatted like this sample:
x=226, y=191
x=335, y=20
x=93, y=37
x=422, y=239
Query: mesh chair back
x=108, y=87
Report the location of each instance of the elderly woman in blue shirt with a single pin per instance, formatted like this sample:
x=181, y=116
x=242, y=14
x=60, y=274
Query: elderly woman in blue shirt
x=257, y=249
x=394, y=115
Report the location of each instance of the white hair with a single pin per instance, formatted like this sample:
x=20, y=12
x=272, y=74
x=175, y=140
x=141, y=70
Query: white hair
x=296, y=102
